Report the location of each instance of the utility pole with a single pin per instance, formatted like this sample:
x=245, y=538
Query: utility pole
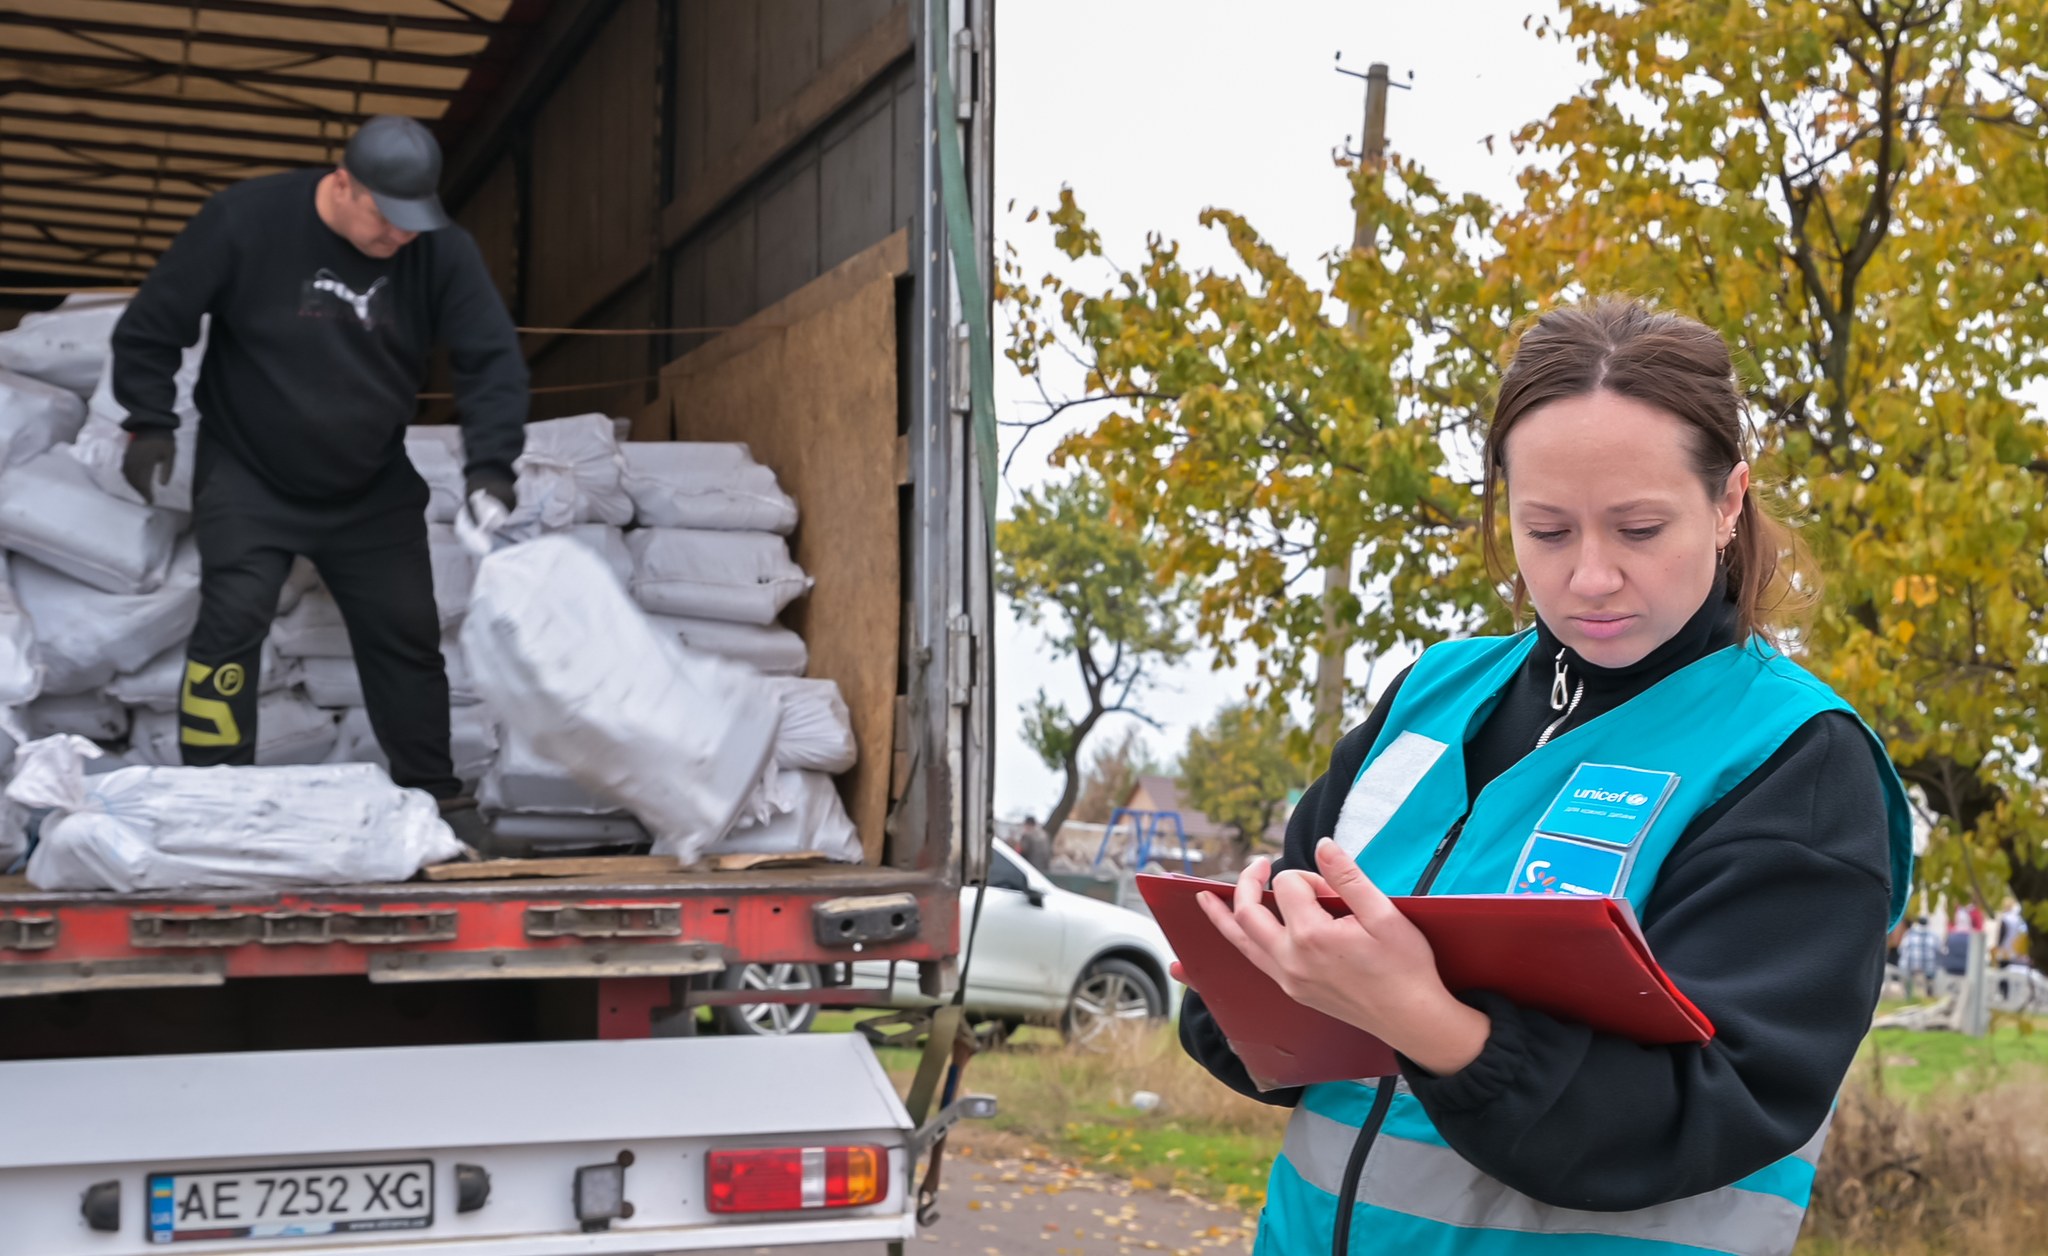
x=1372, y=157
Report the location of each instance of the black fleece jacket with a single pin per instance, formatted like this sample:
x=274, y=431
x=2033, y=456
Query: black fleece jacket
x=1770, y=913
x=317, y=350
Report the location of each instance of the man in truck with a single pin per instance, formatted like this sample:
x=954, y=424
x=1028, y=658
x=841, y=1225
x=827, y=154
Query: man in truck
x=326, y=289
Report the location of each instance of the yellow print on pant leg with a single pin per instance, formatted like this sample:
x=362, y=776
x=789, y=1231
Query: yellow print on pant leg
x=226, y=732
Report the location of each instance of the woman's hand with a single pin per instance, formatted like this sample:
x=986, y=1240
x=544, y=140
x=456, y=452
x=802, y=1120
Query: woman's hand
x=1372, y=969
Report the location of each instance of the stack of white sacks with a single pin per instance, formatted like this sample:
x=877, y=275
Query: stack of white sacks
x=99, y=592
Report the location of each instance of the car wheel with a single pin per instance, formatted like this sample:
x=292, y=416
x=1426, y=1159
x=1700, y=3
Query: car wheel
x=1111, y=992
x=768, y=1020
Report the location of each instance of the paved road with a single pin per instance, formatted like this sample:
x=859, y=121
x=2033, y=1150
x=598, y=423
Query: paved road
x=1011, y=1205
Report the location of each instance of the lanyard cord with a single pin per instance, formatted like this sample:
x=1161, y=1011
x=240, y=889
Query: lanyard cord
x=1383, y=1093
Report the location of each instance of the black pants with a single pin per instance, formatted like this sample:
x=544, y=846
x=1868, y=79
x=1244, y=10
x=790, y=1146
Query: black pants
x=372, y=554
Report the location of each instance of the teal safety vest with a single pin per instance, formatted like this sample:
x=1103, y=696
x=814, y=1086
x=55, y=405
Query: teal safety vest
x=1595, y=810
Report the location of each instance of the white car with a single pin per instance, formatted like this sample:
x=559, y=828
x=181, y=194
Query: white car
x=1043, y=954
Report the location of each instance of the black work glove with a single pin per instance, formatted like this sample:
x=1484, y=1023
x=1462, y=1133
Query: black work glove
x=492, y=482
x=149, y=457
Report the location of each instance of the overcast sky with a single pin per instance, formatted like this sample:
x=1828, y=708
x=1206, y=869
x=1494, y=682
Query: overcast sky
x=1152, y=111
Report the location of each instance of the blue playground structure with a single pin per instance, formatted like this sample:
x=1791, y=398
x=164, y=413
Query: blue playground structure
x=1145, y=825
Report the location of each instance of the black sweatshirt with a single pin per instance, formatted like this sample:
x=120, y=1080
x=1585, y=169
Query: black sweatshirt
x=317, y=351
x=1770, y=913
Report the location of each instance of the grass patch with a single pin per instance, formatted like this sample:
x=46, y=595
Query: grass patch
x=1076, y=1104
x=1915, y=1064
x=1956, y=1168
x=1229, y=1168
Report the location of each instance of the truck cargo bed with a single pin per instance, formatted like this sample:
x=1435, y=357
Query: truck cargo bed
x=626, y=874
x=617, y=919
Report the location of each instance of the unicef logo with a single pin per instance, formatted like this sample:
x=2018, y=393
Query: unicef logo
x=1637, y=800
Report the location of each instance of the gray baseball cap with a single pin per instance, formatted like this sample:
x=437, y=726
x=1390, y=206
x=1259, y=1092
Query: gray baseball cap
x=399, y=161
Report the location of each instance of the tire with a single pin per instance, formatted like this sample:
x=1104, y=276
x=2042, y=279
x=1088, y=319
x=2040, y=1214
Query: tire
x=767, y=1020
x=1110, y=992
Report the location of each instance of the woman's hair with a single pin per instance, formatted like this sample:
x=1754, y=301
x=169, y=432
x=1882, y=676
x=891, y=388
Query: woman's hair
x=1679, y=366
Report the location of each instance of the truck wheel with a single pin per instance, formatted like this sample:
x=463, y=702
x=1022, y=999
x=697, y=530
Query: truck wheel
x=1111, y=992
x=767, y=1020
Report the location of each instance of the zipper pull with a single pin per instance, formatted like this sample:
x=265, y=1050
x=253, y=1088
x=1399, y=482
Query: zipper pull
x=1559, y=694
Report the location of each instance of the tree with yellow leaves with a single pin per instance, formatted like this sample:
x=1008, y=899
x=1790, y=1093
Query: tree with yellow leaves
x=1852, y=191
x=1853, y=194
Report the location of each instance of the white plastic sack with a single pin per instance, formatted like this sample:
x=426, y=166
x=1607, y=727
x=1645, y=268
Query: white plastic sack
x=13, y=816
x=21, y=672
x=93, y=715
x=103, y=442
x=51, y=511
x=301, y=580
x=153, y=739
x=34, y=416
x=472, y=741
x=166, y=829
x=462, y=689
x=355, y=741
x=335, y=682
x=68, y=346
x=806, y=815
x=158, y=684
x=770, y=649
x=101, y=445
x=290, y=731
x=570, y=474
x=313, y=629
x=607, y=543
x=523, y=779
x=740, y=577
x=330, y=683
x=454, y=573
x=86, y=636
x=436, y=453
x=704, y=484
x=560, y=653
x=817, y=729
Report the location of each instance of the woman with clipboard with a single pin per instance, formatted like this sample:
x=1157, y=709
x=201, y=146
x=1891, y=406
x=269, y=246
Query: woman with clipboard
x=1643, y=739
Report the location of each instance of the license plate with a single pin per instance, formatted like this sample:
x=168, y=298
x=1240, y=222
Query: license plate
x=290, y=1203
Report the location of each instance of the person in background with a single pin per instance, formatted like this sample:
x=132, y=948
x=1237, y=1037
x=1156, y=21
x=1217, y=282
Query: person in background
x=326, y=289
x=1955, y=956
x=1033, y=843
x=1920, y=955
x=2012, y=932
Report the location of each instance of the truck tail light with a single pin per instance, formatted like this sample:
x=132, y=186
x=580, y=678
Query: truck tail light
x=786, y=1179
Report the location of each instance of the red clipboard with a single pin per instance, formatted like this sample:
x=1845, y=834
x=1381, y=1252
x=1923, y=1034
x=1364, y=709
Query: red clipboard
x=1576, y=958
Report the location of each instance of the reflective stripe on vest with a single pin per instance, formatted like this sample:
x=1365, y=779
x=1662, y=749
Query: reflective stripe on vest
x=1434, y=1183
x=1692, y=737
